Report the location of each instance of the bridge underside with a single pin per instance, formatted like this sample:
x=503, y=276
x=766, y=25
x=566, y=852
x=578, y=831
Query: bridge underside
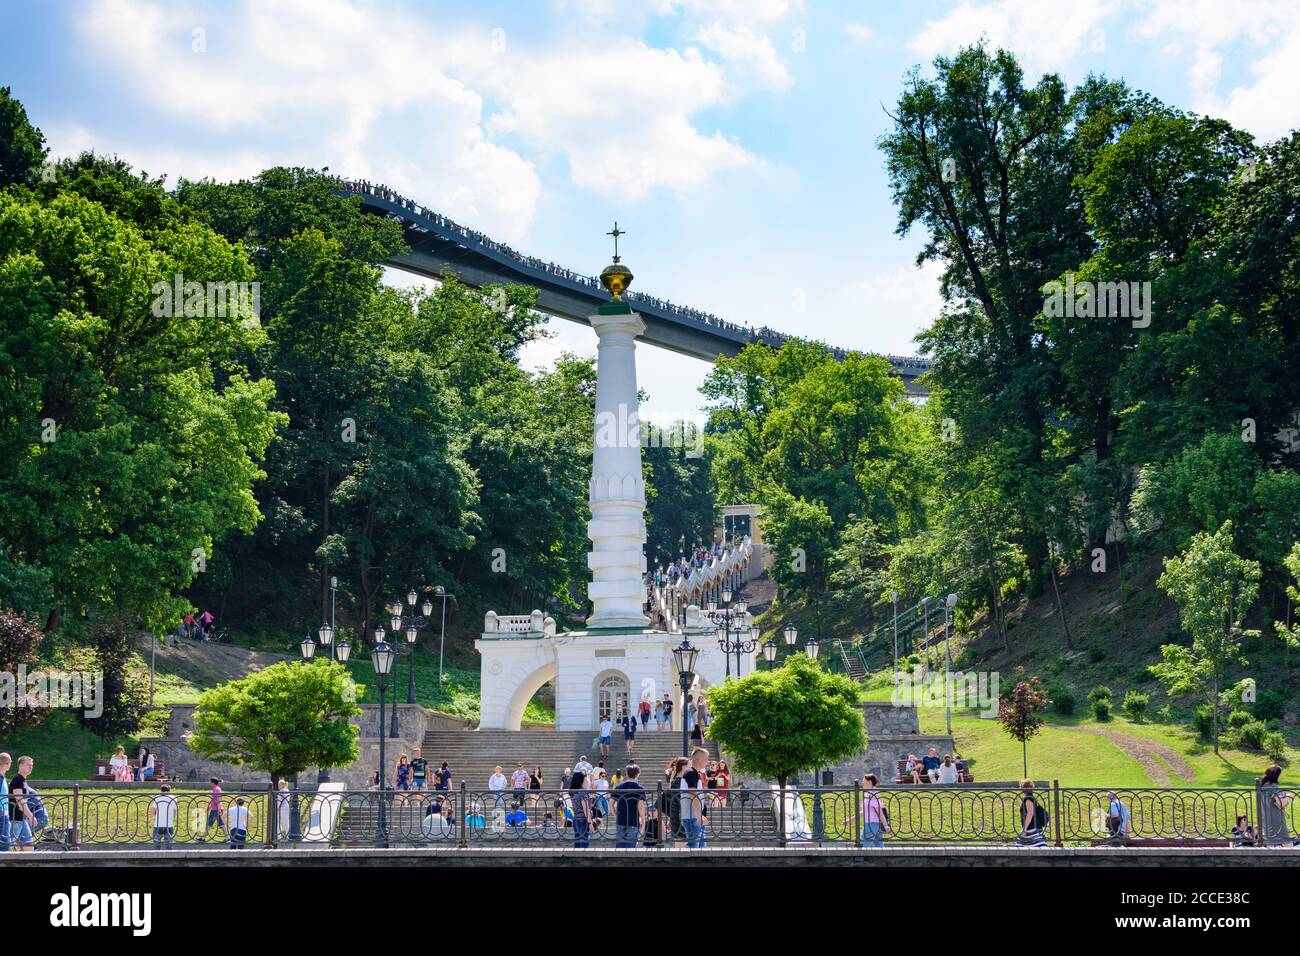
x=437, y=257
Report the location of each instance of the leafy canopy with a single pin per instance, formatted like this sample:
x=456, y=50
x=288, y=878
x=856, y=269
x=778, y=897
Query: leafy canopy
x=794, y=718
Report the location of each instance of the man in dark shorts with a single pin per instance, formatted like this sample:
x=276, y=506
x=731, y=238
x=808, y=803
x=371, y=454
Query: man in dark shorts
x=444, y=777
x=629, y=730
x=629, y=801
x=419, y=770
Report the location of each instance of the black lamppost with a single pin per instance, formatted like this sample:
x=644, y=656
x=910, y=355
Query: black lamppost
x=307, y=648
x=684, y=655
x=811, y=648
x=411, y=623
x=769, y=653
x=381, y=658
x=746, y=637
x=338, y=652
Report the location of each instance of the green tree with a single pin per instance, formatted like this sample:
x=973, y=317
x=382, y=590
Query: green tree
x=280, y=720
x=794, y=718
x=130, y=433
x=1288, y=632
x=20, y=641
x=1213, y=589
x=126, y=693
x=22, y=146
x=1020, y=713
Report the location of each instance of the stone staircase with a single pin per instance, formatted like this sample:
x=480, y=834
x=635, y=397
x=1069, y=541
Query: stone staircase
x=473, y=755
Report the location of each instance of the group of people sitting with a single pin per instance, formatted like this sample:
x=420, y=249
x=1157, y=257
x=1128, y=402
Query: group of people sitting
x=123, y=772
x=934, y=769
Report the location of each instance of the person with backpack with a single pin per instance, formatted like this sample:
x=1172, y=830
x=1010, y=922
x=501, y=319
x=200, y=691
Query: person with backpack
x=163, y=811
x=643, y=711
x=1034, y=817
x=22, y=822
x=1118, y=819
x=875, y=818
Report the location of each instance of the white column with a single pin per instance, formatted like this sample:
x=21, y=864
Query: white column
x=617, y=491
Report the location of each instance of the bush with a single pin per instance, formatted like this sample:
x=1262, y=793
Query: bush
x=1101, y=708
x=1238, y=719
x=1135, y=704
x=1100, y=692
x=1203, y=720
x=1271, y=705
x=1063, y=701
x=1251, y=735
x=1096, y=653
x=1274, y=744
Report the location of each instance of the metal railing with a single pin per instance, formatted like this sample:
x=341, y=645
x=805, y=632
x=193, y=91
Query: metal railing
x=467, y=818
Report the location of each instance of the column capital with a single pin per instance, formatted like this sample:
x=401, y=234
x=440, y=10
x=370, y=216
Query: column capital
x=627, y=323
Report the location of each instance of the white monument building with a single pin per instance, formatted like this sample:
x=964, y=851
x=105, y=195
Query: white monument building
x=618, y=659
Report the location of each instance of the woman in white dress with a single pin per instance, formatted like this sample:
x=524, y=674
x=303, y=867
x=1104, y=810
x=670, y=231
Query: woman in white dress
x=120, y=766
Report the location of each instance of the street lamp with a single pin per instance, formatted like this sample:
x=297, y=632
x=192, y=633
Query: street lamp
x=381, y=658
x=791, y=635
x=769, y=653
x=344, y=651
x=307, y=647
x=411, y=623
x=684, y=656
x=925, y=636
x=948, y=605
x=745, y=637
x=810, y=648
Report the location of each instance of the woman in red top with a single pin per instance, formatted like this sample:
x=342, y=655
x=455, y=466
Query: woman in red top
x=724, y=781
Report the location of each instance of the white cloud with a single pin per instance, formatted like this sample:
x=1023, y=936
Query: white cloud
x=1047, y=35
x=621, y=115
x=1263, y=36
x=859, y=32
x=751, y=54
x=887, y=309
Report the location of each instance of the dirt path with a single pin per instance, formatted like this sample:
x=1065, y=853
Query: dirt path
x=1155, y=758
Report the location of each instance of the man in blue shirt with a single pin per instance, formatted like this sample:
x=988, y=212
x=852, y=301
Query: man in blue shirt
x=516, y=817
x=931, y=764
x=629, y=797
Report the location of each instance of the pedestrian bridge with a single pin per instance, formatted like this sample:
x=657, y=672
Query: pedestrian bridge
x=439, y=245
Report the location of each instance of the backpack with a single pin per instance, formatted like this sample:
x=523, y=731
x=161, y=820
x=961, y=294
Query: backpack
x=40, y=815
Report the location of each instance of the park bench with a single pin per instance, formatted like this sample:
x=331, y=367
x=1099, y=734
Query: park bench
x=1211, y=842
x=904, y=778
x=104, y=771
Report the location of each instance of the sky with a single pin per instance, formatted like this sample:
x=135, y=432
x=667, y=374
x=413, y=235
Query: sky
x=734, y=140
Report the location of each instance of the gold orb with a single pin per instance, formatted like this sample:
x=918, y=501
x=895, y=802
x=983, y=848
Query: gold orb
x=616, y=277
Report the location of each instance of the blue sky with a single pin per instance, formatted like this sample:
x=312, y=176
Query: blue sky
x=733, y=139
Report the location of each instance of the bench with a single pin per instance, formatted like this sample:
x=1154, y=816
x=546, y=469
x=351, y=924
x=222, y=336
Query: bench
x=104, y=771
x=1212, y=842
x=905, y=779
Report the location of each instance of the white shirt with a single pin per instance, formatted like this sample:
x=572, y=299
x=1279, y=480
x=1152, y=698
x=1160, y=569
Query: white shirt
x=520, y=779
x=606, y=727
x=947, y=773
x=239, y=818
x=602, y=784
x=582, y=766
x=165, y=804
x=498, y=782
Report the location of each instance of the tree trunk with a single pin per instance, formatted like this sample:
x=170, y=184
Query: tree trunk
x=1024, y=758
x=1056, y=589
x=52, y=619
x=325, y=533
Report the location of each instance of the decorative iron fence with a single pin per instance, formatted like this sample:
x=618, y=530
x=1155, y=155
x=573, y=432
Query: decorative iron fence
x=660, y=817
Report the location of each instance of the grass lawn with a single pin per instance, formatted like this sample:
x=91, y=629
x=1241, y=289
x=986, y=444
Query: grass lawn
x=458, y=695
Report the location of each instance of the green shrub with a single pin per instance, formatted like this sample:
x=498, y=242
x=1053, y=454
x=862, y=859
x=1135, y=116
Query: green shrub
x=1101, y=708
x=1096, y=653
x=1100, y=692
x=1203, y=721
x=1270, y=705
x=1238, y=719
x=1135, y=704
x=1166, y=714
x=1274, y=744
x=1251, y=734
x=1063, y=701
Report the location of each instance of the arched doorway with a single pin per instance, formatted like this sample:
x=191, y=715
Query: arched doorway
x=611, y=696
